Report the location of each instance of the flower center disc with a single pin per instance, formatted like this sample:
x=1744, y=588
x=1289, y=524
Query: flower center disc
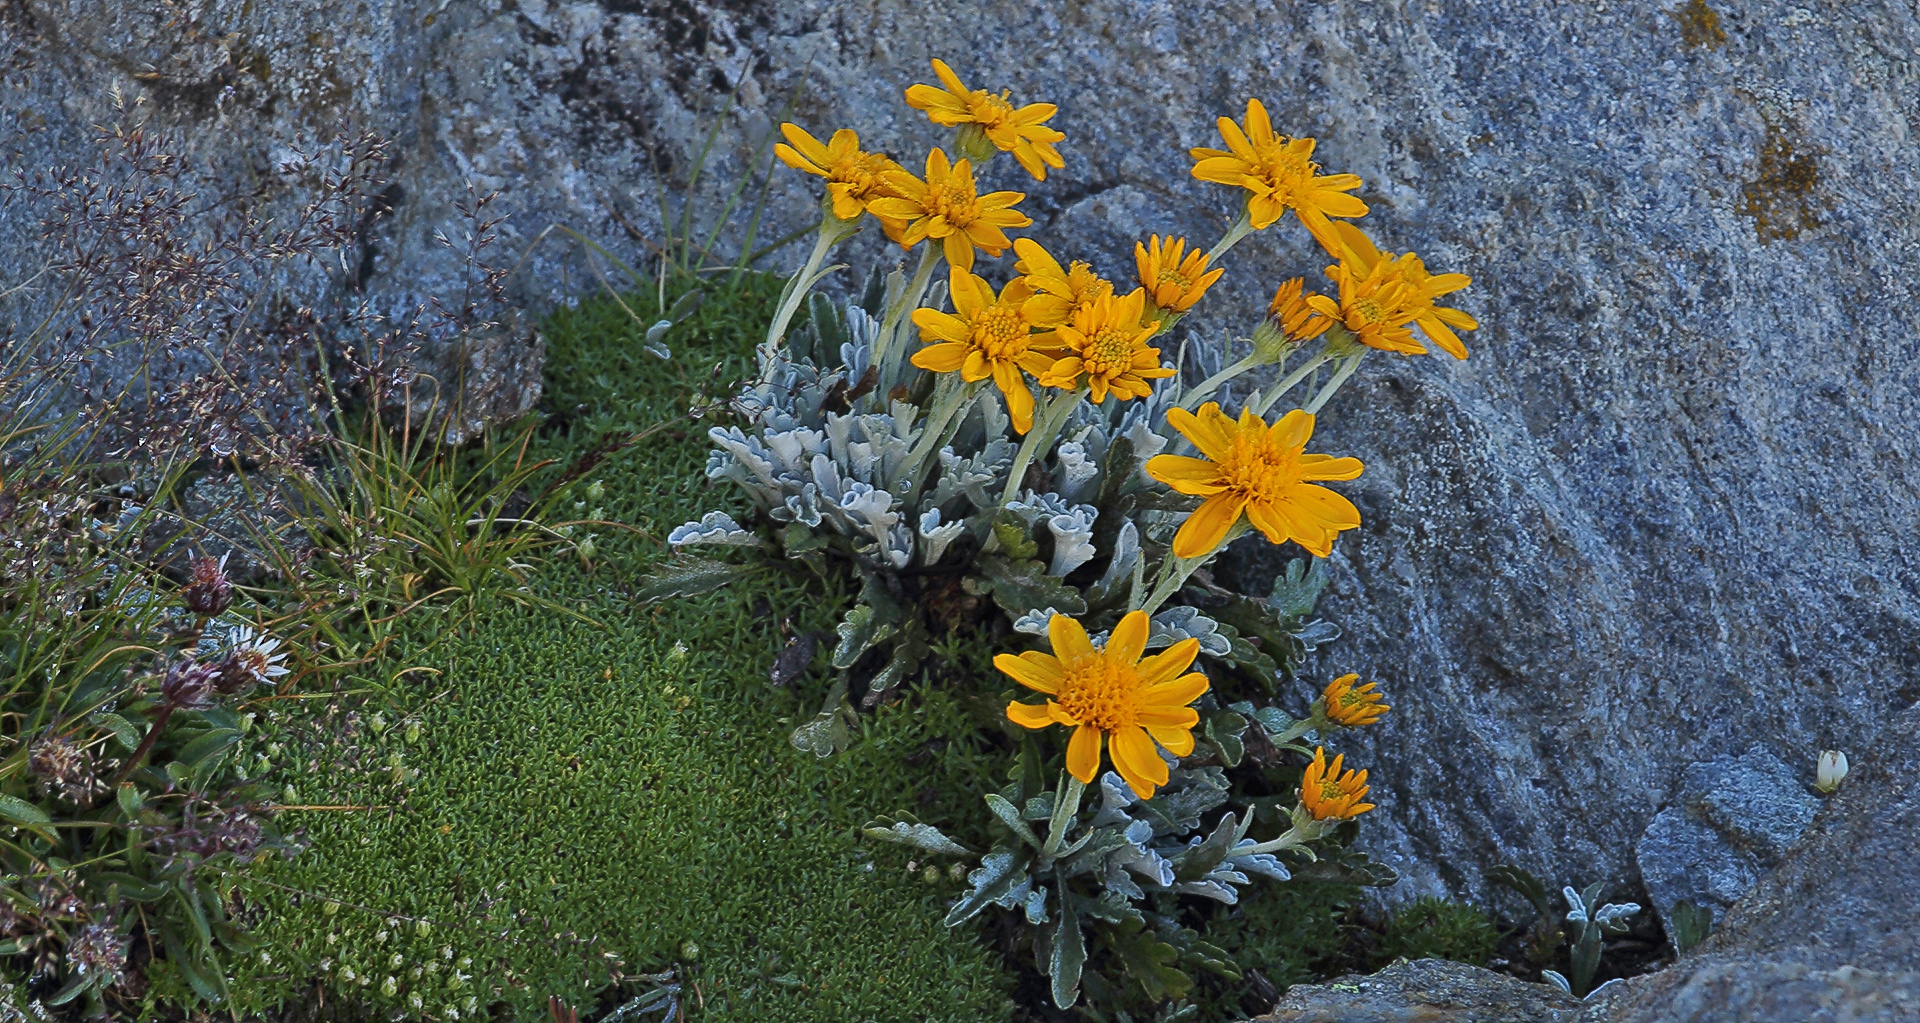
x=1258, y=470
x=956, y=202
x=1101, y=693
x=1109, y=351
x=1000, y=333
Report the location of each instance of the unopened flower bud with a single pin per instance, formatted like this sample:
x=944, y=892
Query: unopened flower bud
x=188, y=685
x=1832, y=770
x=209, y=592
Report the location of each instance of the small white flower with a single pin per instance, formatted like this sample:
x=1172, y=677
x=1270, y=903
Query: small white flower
x=1832, y=770
x=390, y=986
x=254, y=651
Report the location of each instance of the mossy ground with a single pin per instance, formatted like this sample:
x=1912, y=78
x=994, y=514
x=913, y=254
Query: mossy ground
x=574, y=789
x=553, y=800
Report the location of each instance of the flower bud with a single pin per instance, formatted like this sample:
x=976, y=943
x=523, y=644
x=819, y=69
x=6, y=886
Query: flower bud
x=188, y=685
x=1831, y=771
x=209, y=592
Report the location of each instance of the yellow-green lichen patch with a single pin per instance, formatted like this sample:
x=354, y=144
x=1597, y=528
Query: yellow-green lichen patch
x=1699, y=25
x=1782, y=198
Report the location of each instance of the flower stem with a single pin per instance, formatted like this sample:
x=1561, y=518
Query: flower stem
x=145, y=747
x=1288, y=382
x=1240, y=229
x=903, y=303
x=947, y=400
x=1340, y=376
x=1206, y=387
x=1045, y=431
x=1063, y=811
x=832, y=231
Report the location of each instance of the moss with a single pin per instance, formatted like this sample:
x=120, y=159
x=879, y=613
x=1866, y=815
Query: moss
x=1699, y=25
x=1782, y=197
x=1431, y=928
x=563, y=800
x=1279, y=935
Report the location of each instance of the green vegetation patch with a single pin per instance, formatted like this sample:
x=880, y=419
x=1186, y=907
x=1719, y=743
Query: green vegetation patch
x=557, y=803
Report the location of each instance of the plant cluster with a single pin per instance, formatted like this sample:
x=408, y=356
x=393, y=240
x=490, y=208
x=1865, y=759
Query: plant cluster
x=1584, y=929
x=1020, y=459
x=129, y=790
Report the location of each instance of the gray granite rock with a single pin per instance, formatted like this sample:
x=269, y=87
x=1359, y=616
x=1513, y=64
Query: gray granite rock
x=1664, y=512
x=1828, y=935
x=1732, y=821
x=1425, y=991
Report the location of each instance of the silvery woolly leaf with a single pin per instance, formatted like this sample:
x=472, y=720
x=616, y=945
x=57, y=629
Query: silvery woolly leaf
x=909, y=831
x=1001, y=874
x=1264, y=864
x=1037, y=906
x=654, y=334
x=936, y=536
x=1316, y=634
x=1613, y=916
x=1034, y=623
x=715, y=527
x=1179, y=623
x=1072, y=539
x=1218, y=891
x=1576, y=907
x=1077, y=469
x=1118, y=881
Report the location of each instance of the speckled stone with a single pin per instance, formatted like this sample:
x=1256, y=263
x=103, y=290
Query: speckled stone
x=1425, y=991
x=1664, y=512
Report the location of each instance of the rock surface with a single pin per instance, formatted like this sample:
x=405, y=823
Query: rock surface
x=1425, y=991
x=1664, y=512
x=1830, y=934
x=1731, y=822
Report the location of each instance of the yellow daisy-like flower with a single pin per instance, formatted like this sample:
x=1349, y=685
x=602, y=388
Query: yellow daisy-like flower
x=1111, y=694
x=1400, y=290
x=947, y=207
x=991, y=336
x=1292, y=312
x=1279, y=175
x=1021, y=131
x=1376, y=304
x=1174, y=282
x=1329, y=794
x=854, y=178
x=1258, y=470
x=1351, y=707
x=1061, y=290
x=1107, y=342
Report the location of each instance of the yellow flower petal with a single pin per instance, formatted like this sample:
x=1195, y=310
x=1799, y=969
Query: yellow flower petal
x=1069, y=639
x=1037, y=671
x=1129, y=638
x=1208, y=525
x=1083, y=753
x=1029, y=715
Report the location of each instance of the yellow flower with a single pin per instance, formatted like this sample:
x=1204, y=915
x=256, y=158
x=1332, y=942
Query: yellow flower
x=1174, y=283
x=1328, y=793
x=1022, y=131
x=1106, y=341
x=992, y=336
x=1260, y=470
x=1291, y=312
x=853, y=178
x=1061, y=291
x=1349, y=707
x=1400, y=291
x=1279, y=174
x=1112, y=694
x=946, y=207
